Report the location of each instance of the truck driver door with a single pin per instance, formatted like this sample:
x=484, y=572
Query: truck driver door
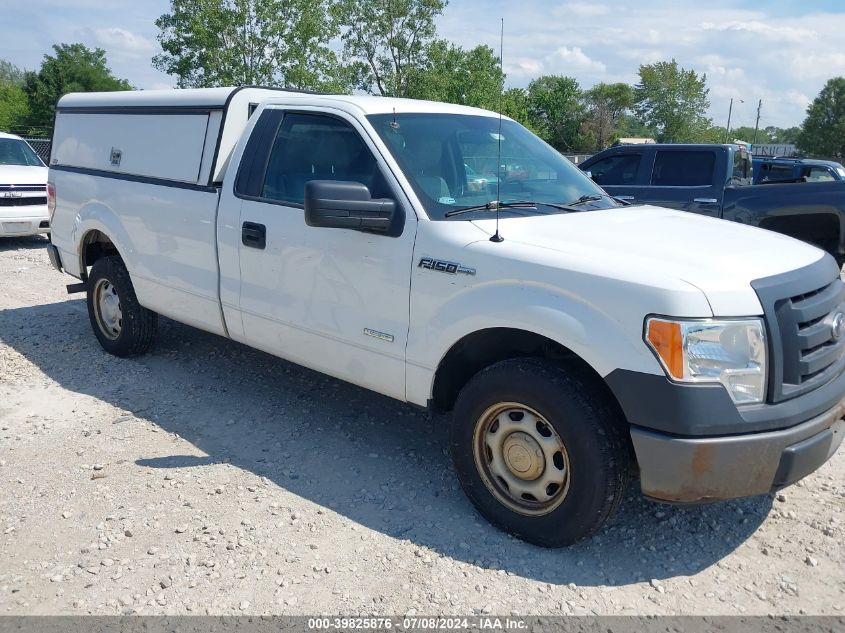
x=335, y=300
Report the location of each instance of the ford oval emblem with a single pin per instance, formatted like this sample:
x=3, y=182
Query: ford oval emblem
x=837, y=325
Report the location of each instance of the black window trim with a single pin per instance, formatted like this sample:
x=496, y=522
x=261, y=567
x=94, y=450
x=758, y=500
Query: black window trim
x=282, y=112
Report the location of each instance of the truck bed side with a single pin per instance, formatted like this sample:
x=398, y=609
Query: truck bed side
x=812, y=211
x=165, y=234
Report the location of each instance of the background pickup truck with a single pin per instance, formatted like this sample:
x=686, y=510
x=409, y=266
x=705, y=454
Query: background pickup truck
x=715, y=180
x=796, y=170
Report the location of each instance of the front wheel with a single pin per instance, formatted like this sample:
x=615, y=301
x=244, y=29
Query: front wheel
x=539, y=452
x=122, y=325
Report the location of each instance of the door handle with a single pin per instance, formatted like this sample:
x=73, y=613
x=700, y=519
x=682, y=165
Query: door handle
x=254, y=235
x=706, y=200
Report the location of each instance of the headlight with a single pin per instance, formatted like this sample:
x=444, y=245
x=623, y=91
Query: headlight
x=730, y=352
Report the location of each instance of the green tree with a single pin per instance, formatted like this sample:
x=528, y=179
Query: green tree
x=515, y=105
x=10, y=73
x=673, y=101
x=746, y=133
x=823, y=132
x=73, y=68
x=455, y=75
x=607, y=105
x=632, y=126
x=556, y=110
x=785, y=136
x=248, y=42
x=13, y=106
x=386, y=42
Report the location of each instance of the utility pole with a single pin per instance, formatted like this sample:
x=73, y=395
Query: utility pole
x=757, y=124
x=728, y=127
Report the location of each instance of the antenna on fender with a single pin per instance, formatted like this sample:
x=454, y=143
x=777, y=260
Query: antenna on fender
x=496, y=237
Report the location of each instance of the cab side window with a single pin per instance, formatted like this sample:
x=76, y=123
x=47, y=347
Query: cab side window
x=817, y=174
x=620, y=169
x=778, y=172
x=314, y=147
x=683, y=169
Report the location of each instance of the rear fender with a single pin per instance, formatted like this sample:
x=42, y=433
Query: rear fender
x=95, y=216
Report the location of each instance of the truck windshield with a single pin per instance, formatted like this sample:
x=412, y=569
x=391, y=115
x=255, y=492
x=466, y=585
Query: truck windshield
x=451, y=162
x=16, y=152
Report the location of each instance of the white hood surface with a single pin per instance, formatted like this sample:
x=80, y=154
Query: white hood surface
x=22, y=175
x=720, y=258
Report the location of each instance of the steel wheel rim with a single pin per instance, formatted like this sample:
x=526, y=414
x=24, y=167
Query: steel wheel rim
x=521, y=459
x=107, y=309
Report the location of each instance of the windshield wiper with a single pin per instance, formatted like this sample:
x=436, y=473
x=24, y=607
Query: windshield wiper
x=494, y=205
x=595, y=197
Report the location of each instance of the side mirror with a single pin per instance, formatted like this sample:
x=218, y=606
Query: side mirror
x=346, y=205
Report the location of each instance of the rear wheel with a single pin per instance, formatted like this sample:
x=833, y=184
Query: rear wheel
x=540, y=453
x=122, y=326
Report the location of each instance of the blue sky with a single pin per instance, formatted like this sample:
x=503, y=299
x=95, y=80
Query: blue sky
x=781, y=51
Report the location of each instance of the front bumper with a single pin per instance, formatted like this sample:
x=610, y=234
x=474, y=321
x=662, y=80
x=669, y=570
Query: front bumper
x=16, y=227
x=694, y=470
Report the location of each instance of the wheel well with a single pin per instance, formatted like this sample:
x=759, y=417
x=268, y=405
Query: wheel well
x=481, y=349
x=95, y=245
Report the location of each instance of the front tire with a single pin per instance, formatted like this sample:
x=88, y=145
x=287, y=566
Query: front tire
x=122, y=325
x=540, y=452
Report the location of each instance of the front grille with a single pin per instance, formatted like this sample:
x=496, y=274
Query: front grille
x=23, y=187
x=799, y=309
x=811, y=314
x=22, y=202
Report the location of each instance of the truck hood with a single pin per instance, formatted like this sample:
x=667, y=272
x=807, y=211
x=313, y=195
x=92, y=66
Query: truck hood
x=22, y=175
x=718, y=257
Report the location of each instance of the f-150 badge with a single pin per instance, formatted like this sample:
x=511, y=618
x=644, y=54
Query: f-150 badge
x=441, y=266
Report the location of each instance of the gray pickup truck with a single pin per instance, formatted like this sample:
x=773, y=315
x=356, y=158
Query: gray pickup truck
x=716, y=180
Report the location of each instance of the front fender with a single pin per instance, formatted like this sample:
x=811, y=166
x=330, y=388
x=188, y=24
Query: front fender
x=605, y=341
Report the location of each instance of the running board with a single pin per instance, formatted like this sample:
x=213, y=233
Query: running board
x=74, y=288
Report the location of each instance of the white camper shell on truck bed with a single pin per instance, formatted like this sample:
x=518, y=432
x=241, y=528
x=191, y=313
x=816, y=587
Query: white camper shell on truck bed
x=195, y=129
x=356, y=236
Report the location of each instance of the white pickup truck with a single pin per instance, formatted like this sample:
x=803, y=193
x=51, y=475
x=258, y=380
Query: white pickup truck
x=23, y=189
x=576, y=340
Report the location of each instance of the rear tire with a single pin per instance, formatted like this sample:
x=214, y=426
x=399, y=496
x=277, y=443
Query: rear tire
x=540, y=452
x=122, y=325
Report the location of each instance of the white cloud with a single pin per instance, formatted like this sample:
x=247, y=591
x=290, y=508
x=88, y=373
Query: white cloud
x=523, y=67
x=581, y=9
x=763, y=30
x=572, y=60
x=123, y=40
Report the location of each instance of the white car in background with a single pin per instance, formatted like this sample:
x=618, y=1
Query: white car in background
x=23, y=189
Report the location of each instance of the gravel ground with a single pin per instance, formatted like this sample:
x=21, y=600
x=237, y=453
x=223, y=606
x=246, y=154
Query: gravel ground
x=207, y=477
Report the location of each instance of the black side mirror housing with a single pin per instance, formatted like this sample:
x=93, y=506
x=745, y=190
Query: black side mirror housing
x=347, y=205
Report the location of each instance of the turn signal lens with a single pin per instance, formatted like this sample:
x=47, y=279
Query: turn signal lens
x=51, y=200
x=665, y=338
